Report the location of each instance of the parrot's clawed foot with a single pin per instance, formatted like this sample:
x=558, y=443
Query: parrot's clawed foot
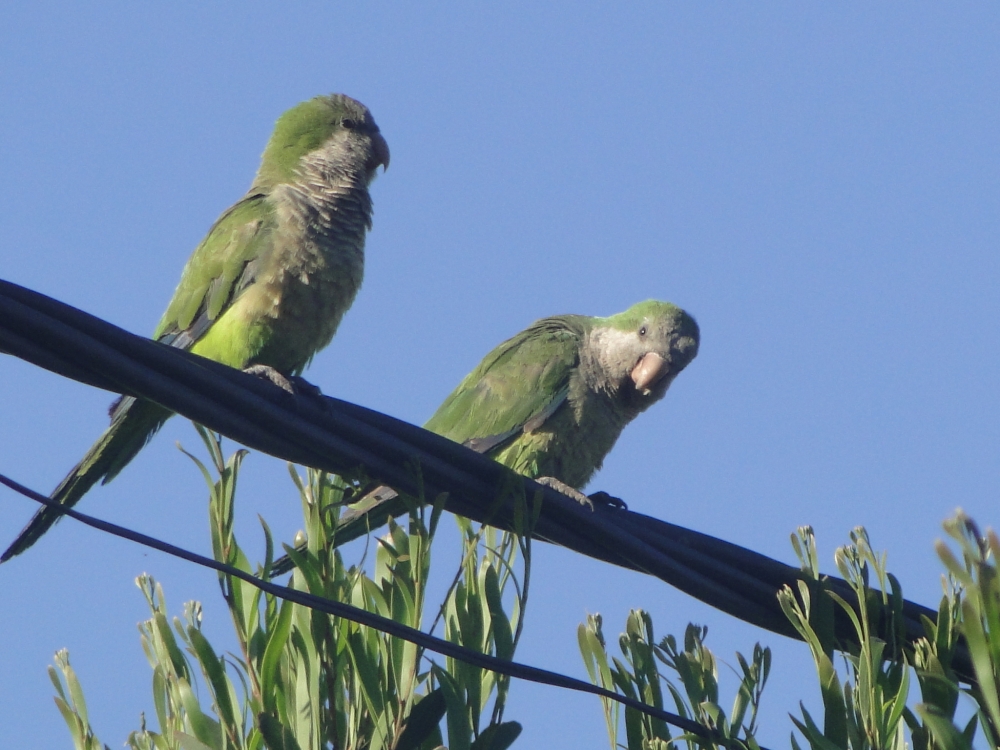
x=266, y=372
x=293, y=384
x=603, y=498
x=366, y=495
x=589, y=501
x=566, y=490
x=380, y=494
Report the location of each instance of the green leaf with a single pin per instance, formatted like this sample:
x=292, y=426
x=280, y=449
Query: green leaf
x=899, y=704
x=276, y=736
x=71, y=719
x=187, y=742
x=56, y=683
x=498, y=736
x=366, y=661
x=946, y=735
x=160, y=699
x=77, y=700
x=205, y=728
x=459, y=723
x=272, y=654
x=213, y=668
x=979, y=650
x=812, y=733
x=423, y=720
x=633, y=729
x=165, y=638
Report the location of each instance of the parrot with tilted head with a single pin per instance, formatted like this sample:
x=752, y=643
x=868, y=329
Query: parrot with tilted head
x=267, y=287
x=550, y=402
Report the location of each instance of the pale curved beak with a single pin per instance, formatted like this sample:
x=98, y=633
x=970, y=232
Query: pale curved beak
x=381, y=152
x=651, y=368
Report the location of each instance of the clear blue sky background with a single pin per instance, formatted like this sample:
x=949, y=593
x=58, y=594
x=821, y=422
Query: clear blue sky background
x=817, y=185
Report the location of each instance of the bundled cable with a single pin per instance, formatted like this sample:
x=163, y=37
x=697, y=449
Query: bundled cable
x=337, y=436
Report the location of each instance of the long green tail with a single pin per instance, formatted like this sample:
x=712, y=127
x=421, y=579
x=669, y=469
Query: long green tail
x=133, y=423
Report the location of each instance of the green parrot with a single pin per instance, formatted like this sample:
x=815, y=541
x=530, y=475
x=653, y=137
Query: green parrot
x=267, y=287
x=550, y=402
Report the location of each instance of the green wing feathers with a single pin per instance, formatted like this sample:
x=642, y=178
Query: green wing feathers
x=133, y=424
x=221, y=267
x=517, y=385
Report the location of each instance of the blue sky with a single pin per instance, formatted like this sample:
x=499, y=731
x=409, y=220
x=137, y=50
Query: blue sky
x=818, y=185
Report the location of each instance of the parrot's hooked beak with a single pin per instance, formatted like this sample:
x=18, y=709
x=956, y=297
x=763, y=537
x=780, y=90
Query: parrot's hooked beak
x=380, y=153
x=650, y=369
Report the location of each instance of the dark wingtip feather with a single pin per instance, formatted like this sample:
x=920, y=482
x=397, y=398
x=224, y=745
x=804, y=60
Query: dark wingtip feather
x=133, y=424
x=39, y=524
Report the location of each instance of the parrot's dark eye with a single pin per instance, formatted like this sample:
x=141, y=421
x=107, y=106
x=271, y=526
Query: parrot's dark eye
x=642, y=331
x=349, y=123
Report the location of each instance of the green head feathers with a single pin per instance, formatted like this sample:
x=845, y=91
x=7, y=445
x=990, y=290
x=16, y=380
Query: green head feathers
x=648, y=344
x=312, y=125
x=653, y=318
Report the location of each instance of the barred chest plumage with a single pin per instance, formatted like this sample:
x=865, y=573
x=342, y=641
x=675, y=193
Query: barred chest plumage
x=316, y=264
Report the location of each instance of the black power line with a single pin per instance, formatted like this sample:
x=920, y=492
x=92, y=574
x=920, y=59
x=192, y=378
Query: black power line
x=338, y=437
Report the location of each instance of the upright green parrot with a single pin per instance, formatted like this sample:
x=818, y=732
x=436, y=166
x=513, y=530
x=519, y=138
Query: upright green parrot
x=550, y=402
x=267, y=287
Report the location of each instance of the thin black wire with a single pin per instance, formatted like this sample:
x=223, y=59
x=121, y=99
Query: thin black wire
x=383, y=624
